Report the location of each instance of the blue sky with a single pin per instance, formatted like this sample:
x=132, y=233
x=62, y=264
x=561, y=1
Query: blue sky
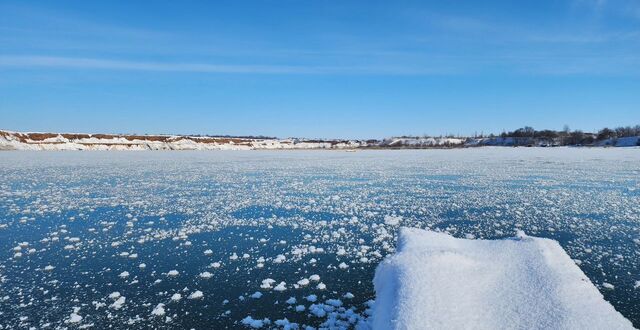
x=333, y=69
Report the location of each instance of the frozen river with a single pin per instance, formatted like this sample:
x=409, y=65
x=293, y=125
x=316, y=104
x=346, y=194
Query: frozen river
x=285, y=238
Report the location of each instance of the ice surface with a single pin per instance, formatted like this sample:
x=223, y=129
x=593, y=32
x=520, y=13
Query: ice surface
x=436, y=281
x=331, y=217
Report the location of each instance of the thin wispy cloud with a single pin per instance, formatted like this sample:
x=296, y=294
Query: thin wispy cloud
x=34, y=62
x=69, y=24
x=428, y=42
x=625, y=8
x=406, y=63
x=105, y=64
x=532, y=63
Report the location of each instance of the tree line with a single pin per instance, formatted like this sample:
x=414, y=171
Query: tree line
x=571, y=137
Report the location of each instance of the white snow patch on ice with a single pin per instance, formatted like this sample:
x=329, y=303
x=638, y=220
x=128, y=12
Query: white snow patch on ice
x=206, y=275
x=74, y=318
x=439, y=282
x=392, y=220
x=158, y=310
x=118, y=303
x=280, y=287
x=196, y=295
x=253, y=323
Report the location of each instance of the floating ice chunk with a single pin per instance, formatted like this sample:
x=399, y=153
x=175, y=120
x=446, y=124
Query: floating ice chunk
x=321, y=286
x=98, y=305
x=291, y=301
x=114, y=295
x=124, y=274
x=342, y=265
x=636, y=285
x=206, y=275
x=286, y=324
x=314, y=278
x=300, y=308
x=608, y=286
x=176, y=297
x=334, y=302
x=348, y=295
x=253, y=323
x=49, y=268
x=215, y=265
x=280, y=287
x=256, y=295
x=173, y=273
x=196, y=295
x=234, y=256
x=311, y=298
x=74, y=318
x=158, y=310
x=267, y=283
x=142, y=265
x=392, y=220
x=208, y=252
x=279, y=259
x=303, y=282
x=437, y=281
x=118, y=303
x=318, y=310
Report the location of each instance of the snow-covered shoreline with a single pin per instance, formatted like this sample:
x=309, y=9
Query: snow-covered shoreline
x=36, y=141
x=72, y=141
x=436, y=281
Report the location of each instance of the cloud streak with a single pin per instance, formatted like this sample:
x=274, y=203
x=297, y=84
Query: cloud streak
x=105, y=64
x=531, y=63
x=53, y=62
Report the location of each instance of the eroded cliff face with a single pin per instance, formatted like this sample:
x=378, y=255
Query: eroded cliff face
x=71, y=141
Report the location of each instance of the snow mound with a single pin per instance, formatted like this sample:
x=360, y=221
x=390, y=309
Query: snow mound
x=436, y=281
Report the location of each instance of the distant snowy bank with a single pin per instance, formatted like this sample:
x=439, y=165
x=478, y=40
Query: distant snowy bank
x=73, y=141
x=436, y=281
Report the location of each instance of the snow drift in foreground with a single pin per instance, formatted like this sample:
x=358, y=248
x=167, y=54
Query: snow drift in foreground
x=436, y=281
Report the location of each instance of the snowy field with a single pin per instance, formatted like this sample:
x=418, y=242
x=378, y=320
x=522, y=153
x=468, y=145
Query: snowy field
x=277, y=239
